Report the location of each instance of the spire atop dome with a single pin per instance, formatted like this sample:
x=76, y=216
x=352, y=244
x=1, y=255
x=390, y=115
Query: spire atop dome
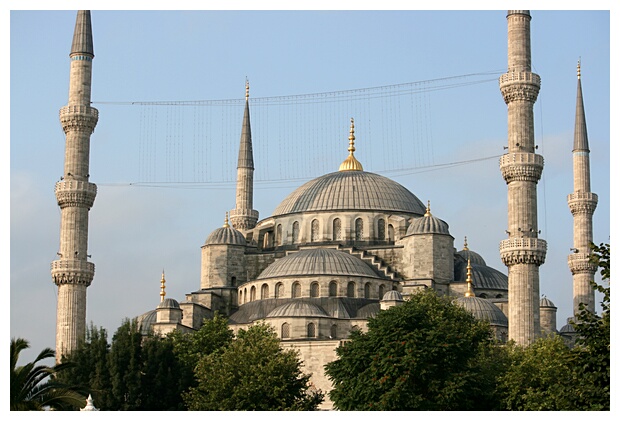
x=226, y=221
x=470, y=289
x=351, y=164
x=83, y=35
x=162, y=292
x=465, y=247
x=428, y=209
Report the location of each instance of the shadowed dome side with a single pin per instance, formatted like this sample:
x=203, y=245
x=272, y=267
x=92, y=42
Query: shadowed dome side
x=472, y=256
x=350, y=190
x=145, y=321
x=297, y=309
x=483, y=277
x=318, y=262
x=483, y=309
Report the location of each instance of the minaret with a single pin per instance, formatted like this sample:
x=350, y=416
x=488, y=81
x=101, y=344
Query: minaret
x=75, y=195
x=523, y=252
x=243, y=217
x=582, y=203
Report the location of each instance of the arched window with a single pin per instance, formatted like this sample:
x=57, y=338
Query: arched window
x=314, y=230
x=264, y=292
x=333, y=289
x=286, y=331
x=296, y=292
x=295, y=232
x=367, y=290
x=279, y=290
x=279, y=235
x=233, y=281
x=314, y=289
x=351, y=290
x=336, y=231
x=245, y=295
x=253, y=293
x=333, y=332
x=499, y=296
x=381, y=229
x=390, y=232
x=483, y=295
x=240, y=299
x=311, y=330
x=359, y=229
x=381, y=291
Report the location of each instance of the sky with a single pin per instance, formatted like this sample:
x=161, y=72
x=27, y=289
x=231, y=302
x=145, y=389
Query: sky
x=136, y=230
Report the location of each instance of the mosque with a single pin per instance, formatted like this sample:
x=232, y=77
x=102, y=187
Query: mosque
x=344, y=246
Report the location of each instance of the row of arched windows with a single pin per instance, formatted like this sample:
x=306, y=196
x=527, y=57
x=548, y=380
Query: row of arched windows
x=285, y=331
x=336, y=233
x=315, y=291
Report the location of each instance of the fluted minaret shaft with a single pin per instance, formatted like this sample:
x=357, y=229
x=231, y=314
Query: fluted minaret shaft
x=75, y=194
x=523, y=252
x=582, y=203
x=244, y=217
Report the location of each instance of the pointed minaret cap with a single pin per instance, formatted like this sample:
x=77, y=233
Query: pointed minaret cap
x=82, y=35
x=580, y=142
x=351, y=164
x=246, y=157
x=470, y=288
x=162, y=292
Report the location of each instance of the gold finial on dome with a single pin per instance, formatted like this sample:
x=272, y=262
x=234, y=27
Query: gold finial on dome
x=247, y=88
x=579, y=68
x=162, y=292
x=226, y=221
x=470, y=289
x=465, y=245
x=428, y=209
x=351, y=164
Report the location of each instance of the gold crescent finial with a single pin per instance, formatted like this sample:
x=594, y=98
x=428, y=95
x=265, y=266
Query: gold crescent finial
x=226, y=221
x=428, y=209
x=579, y=68
x=470, y=289
x=465, y=245
x=351, y=164
x=162, y=292
x=247, y=88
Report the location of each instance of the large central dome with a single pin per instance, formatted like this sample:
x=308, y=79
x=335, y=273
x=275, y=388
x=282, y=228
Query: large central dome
x=351, y=190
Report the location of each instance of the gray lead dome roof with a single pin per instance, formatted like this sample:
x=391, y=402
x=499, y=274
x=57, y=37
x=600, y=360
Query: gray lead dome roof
x=482, y=309
x=428, y=225
x=317, y=262
x=297, y=309
x=345, y=190
x=226, y=235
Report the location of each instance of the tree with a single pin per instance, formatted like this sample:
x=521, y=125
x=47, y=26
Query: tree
x=34, y=386
x=252, y=373
x=125, y=366
x=426, y=354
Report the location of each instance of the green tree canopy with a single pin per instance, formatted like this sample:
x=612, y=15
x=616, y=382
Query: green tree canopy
x=251, y=373
x=426, y=354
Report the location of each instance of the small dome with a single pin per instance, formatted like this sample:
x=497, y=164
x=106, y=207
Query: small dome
x=226, y=235
x=298, y=309
x=146, y=320
x=428, y=225
x=318, y=262
x=169, y=303
x=482, y=276
x=567, y=328
x=472, y=256
x=545, y=302
x=483, y=309
x=392, y=296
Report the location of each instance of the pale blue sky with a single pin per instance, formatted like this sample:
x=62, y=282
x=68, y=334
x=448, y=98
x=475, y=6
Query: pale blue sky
x=135, y=232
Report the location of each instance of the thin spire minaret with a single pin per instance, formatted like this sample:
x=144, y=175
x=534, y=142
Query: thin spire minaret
x=582, y=203
x=523, y=252
x=243, y=217
x=72, y=273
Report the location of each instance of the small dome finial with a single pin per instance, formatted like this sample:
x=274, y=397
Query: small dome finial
x=351, y=164
x=579, y=68
x=162, y=292
x=247, y=88
x=470, y=289
x=428, y=209
x=226, y=221
x=465, y=245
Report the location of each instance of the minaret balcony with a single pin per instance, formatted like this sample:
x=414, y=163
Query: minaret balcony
x=582, y=202
x=580, y=263
x=75, y=117
x=72, y=271
x=523, y=86
x=521, y=166
x=523, y=250
x=75, y=193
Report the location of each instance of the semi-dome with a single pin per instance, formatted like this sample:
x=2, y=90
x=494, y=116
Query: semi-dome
x=483, y=309
x=312, y=262
x=226, y=235
x=297, y=309
x=350, y=190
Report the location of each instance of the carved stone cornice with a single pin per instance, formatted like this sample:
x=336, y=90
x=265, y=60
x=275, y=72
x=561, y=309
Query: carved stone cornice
x=74, y=193
x=580, y=263
x=243, y=219
x=521, y=166
x=582, y=203
x=523, y=250
x=78, y=117
x=519, y=86
x=73, y=271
